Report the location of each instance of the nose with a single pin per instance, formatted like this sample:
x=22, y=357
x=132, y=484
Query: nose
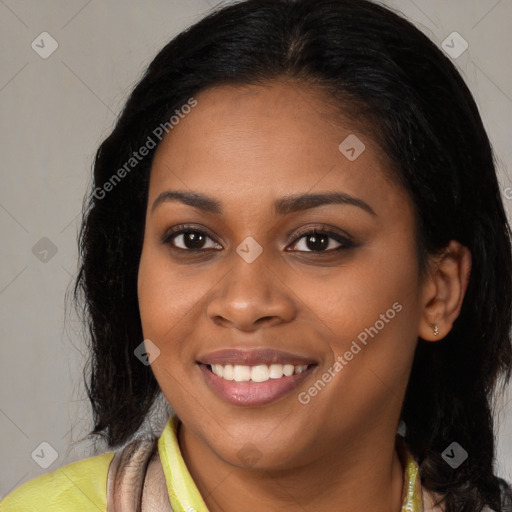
x=250, y=296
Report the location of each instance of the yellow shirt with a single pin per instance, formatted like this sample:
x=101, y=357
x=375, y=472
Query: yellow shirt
x=82, y=486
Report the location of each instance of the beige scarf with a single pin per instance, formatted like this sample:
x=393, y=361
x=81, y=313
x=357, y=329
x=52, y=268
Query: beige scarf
x=136, y=480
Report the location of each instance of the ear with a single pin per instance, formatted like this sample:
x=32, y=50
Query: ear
x=443, y=290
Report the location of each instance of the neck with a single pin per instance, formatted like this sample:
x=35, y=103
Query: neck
x=371, y=478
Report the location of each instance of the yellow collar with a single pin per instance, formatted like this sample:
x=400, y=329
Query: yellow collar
x=183, y=493
x=411, y=493
x=185, y=497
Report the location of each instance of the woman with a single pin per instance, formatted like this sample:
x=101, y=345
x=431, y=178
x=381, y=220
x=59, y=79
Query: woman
x=298, y=212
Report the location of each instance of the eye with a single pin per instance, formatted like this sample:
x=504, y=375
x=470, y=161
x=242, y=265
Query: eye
x=322, y=240
x=190, y=239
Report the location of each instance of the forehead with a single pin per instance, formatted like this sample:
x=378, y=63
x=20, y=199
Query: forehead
x=255, y=140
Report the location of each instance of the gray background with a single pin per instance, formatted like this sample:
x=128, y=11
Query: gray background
x=54, y=113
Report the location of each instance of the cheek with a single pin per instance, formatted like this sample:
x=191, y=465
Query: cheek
x=167, y=293
x=168, y=303
x=166, y=300
x=374, y=301
x=371, y=315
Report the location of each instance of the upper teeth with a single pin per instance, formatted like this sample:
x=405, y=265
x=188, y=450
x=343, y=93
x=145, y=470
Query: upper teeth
x=259, y=373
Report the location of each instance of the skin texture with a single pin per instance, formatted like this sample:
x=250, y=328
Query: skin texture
x=247, y=146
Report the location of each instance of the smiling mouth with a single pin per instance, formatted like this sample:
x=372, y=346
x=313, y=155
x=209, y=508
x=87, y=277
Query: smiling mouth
x=257, y=373
x=257, y=385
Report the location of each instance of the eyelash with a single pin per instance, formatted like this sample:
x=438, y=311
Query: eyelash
x=345, y=241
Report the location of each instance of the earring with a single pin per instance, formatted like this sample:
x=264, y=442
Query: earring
x=436, y=329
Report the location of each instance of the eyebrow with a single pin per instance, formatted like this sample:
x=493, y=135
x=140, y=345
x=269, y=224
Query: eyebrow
x=283, y=206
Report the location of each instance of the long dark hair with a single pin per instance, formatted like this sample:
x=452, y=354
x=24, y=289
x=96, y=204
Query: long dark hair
x=378, y=67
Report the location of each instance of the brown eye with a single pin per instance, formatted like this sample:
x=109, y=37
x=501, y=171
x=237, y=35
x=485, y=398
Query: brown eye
x=188, y=239
x=322, y=241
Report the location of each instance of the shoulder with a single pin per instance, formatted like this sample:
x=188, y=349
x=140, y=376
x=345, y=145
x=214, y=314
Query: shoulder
x=78, y=486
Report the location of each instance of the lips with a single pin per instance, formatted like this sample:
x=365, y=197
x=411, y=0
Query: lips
x=241, y=387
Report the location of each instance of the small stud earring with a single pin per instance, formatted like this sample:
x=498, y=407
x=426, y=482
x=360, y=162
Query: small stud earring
x=436, y=329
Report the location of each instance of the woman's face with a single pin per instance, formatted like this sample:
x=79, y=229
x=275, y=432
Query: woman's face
x=250, y=292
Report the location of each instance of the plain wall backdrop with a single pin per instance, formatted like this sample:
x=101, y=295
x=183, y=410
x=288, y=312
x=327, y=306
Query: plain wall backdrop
x=54, y=113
